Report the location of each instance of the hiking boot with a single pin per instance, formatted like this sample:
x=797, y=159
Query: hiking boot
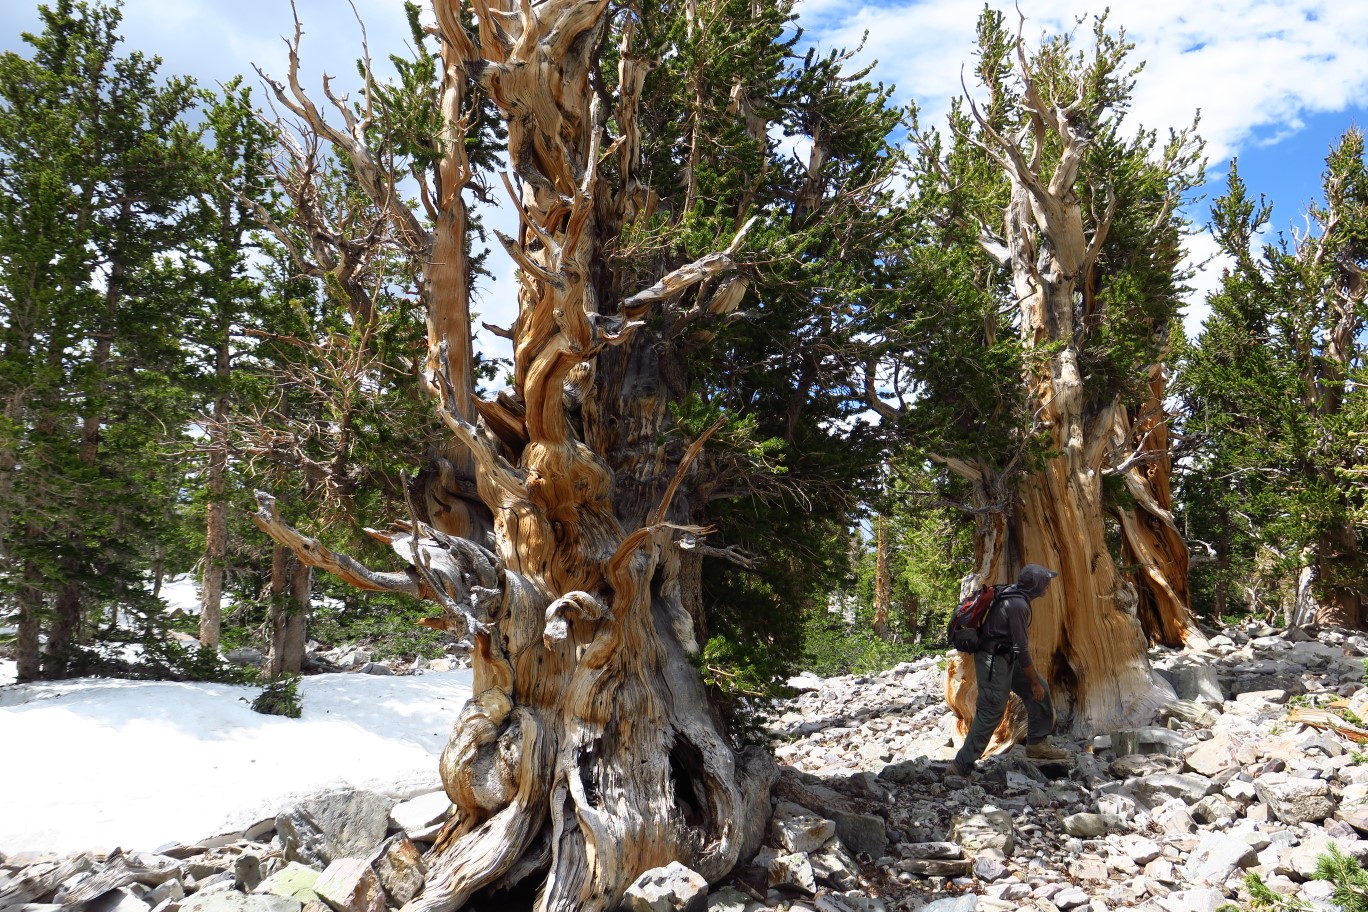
x=964, y=772
x=1044, y=750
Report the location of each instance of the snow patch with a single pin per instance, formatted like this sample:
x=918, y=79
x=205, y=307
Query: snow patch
x=138, y=764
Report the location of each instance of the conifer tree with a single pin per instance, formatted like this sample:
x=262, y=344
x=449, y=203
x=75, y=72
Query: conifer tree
x=680, y=363
x=1273, y=402
x=96, y=163
x=234, y=186
x=1052, y=258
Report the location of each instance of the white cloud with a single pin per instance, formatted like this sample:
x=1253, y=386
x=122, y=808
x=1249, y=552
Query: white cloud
x=1254, y=68
x=1205, y=257
x=1249, y=65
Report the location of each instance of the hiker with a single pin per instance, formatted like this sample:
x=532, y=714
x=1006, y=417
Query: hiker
x=1003, y=666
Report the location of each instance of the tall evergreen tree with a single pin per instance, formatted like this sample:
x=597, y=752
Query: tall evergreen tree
x=1052, y=257
x=1273, y=401
x=96, y=163
x=235, y=186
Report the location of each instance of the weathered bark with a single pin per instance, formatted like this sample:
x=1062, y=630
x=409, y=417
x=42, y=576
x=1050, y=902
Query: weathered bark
x=883, y=585
x=216, y=515
x=589, y=752
x=1151, y=541
x=291, y=582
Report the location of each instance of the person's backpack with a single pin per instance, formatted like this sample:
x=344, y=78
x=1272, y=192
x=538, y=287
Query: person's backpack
x=968, y=617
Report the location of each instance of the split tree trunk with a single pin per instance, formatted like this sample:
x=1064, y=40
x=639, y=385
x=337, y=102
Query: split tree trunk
x=1086, y=634
x=1151, y=542
x=589, y=752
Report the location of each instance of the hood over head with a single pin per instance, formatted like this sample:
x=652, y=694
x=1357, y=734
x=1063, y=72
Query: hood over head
x=1034, y=579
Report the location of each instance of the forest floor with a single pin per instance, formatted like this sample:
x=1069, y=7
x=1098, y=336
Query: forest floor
x=1257, y=769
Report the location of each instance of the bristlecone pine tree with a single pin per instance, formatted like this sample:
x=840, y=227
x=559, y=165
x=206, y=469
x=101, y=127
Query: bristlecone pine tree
x=1043, y=383
x=563, y=529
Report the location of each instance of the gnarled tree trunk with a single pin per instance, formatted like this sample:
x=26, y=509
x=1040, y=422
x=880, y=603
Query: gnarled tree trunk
x=1087, y=633
x=589, y=752
x=1151, y=542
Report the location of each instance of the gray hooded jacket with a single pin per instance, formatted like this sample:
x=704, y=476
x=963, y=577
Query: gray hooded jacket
x=1010, y=617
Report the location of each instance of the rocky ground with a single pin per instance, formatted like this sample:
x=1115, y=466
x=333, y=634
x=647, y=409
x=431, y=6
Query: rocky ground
x=1256, y=769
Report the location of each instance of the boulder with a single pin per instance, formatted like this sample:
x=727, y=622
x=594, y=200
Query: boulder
x=1139, y=849
x=1174, y=817
x=1092, y=826
x=931, y=850
x=232, y=901
x=348, y=824
x=990, y=867
x=1136, y=765
x=832, y=864
x=399, y=865
x=1155, y=790
x=863, y=833
x=1295, y=799
x=1216, y=858
x=730, y=899
x=794, y=871
x=168, y=891
x=1193, y=680
x=672, y=888
x=1116, y=805
x=1210, y=758
x=245, y=656
x=936, y=867
x=418, y=814
x=969, y=902
x=246, y=872
x=1213, y=809
x=1356, y=817
x=1200, y=899
x=990, y=829
x=798, y=829
x=350, y=885
x=860, y=832
x=117, y=901
x=294, y=881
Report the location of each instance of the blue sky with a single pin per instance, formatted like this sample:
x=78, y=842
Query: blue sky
x=1277, y=81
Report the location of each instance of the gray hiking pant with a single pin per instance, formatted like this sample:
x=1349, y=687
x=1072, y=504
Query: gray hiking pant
x=998, y=678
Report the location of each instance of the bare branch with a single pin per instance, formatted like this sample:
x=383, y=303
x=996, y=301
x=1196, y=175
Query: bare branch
x=312, y=552
x=731, y=553
x=690, y=455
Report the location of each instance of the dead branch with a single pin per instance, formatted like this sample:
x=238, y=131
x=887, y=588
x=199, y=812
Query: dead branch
x=312, y=552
